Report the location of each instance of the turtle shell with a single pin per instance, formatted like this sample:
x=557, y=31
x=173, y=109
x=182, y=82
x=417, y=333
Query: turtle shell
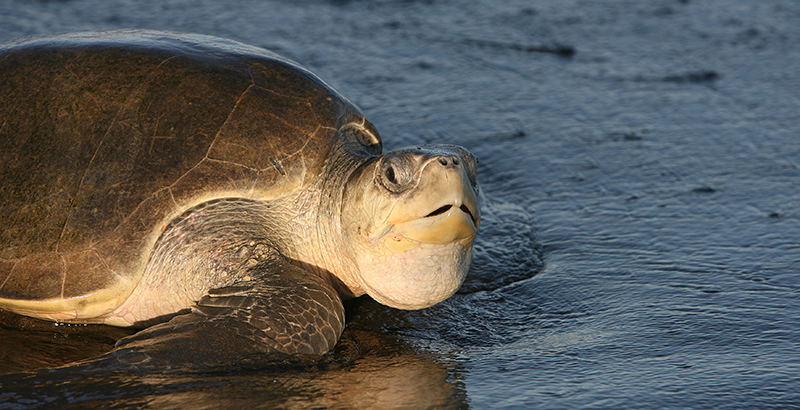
x=107, y=136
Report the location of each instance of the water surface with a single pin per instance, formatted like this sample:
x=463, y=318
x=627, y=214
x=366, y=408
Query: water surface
x=640, y=170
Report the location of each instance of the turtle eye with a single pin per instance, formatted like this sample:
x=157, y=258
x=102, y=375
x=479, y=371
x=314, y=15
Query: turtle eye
x=395, y=174
x=390, y=176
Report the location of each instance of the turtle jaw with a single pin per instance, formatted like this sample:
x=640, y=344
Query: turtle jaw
x=447, y=224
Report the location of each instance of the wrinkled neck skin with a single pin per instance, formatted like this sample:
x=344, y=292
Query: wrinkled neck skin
x=319, y=245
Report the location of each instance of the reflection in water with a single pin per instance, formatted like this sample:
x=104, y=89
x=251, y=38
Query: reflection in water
x=405, y=381
x=30, y=344
x=367, y=370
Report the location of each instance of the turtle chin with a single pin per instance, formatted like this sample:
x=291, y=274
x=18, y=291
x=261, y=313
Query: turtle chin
x=418, y=277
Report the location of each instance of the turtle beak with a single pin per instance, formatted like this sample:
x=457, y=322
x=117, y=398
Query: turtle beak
x=442, y=207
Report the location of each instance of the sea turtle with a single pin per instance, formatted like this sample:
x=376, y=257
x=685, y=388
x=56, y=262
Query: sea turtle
x=154, y=178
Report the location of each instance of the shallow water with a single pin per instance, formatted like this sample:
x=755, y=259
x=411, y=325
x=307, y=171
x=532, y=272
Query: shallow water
x=640, y=168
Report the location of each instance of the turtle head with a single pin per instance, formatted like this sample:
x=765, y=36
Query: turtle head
x=412, y=216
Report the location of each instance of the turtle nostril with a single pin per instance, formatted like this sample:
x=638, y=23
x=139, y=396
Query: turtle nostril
x=448, y=161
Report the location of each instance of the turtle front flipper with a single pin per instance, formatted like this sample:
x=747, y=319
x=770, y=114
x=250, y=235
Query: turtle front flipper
x=276, y=308
x=293, y=312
